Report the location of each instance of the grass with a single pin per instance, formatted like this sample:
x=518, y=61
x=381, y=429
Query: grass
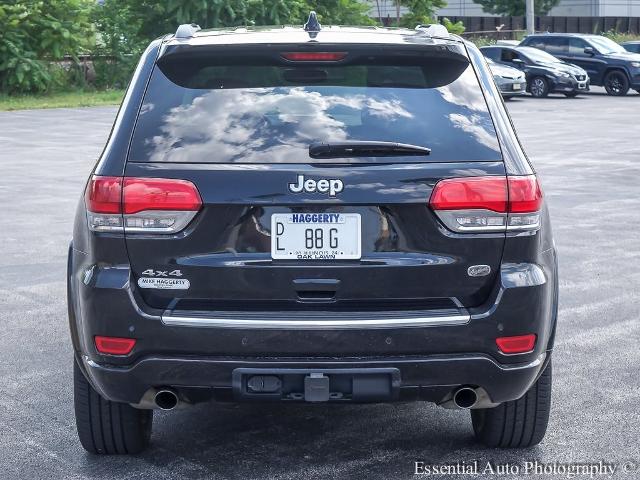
x=61, y=99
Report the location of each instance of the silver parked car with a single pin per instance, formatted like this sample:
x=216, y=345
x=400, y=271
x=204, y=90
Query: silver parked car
x=511, y=81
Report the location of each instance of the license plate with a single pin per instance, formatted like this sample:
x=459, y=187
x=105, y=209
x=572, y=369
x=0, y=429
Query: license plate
x=516, y=86
x=315, y=236
x=582, y=86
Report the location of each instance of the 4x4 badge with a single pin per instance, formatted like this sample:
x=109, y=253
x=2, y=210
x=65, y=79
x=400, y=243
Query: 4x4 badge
x=332, y=186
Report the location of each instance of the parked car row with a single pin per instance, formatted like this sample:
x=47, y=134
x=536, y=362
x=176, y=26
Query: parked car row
x=543, y=72
x=569, y=63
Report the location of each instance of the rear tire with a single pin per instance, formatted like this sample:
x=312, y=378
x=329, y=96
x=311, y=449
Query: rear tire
x=616, y=83
x=539, y=87
x=106, y=427
x=520, y=423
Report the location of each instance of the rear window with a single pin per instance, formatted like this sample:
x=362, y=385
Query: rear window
x=210, y=112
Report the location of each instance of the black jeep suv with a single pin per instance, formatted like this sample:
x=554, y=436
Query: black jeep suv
x=321, y=215
x=608, y=64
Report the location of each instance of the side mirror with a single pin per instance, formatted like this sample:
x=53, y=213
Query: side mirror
x=518, y=62
x=589, y=51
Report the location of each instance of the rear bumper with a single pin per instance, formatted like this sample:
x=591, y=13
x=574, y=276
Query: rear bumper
x=432, y=378
x=435, y=352
x=513, y=94
x=506, y=86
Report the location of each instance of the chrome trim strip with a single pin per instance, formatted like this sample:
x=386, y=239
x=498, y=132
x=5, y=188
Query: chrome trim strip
x=315, y=324
x=533, y=364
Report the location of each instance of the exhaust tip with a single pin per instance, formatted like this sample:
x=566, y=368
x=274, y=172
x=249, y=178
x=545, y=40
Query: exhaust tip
x=166, y=399
x=465, y=397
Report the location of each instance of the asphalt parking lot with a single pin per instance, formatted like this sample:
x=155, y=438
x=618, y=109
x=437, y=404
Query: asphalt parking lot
x=587, y=153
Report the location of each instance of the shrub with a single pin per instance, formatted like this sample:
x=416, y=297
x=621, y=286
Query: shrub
x=458, y=28
x=620, y=37
x=35, y=33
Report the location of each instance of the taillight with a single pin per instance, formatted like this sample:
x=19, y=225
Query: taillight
x=488, y=204
x=114, y=345
x=103, y=198
x=104, y=194
x=314, y=56
x=158, y=205
x=149, y=205
x=516, y=344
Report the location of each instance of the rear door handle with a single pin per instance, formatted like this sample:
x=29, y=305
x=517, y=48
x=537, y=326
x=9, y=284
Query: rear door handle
x=316, y=284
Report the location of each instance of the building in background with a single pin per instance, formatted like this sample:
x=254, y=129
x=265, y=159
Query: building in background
x=566, y=8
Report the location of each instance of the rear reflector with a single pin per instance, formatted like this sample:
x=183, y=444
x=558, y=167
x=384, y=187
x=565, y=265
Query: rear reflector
x=114, y=345
x=517, y=344
x=488, y=204
x=314, y=56
x=150, y=205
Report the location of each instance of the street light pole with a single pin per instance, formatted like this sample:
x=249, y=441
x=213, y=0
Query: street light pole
x=531, y=19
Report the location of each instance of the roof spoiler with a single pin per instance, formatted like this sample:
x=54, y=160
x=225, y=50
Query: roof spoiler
x=187, y=30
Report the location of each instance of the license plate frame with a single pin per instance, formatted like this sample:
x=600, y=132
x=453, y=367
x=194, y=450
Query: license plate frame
x=286, y=226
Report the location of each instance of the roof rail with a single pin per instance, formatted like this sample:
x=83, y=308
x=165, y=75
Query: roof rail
x=433, y=29
x=187, y=30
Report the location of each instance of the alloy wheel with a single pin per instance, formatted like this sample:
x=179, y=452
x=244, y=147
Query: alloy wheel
x=538, y=87
x=615, y=84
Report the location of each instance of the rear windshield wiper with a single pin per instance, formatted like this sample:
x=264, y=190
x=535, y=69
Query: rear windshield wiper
x=365, y=149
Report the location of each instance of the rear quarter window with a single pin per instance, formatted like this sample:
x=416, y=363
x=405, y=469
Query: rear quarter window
x=198, y=112
x=557, y=46
x=634, y=47
x=492, y=53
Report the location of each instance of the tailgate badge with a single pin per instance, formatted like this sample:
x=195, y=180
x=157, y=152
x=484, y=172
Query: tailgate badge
x=164, y=283
x=332, y=186
x=479, y=270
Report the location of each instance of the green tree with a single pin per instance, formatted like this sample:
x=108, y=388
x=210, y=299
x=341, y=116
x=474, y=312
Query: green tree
x=339, y=12
x=118, y=43
x=149, y=18
x=515, y=8
x=33, y=34
x=458, y=27
x=420, y=12
x=125, y=27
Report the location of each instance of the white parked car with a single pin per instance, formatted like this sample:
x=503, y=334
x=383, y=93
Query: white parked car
x=511, y=81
